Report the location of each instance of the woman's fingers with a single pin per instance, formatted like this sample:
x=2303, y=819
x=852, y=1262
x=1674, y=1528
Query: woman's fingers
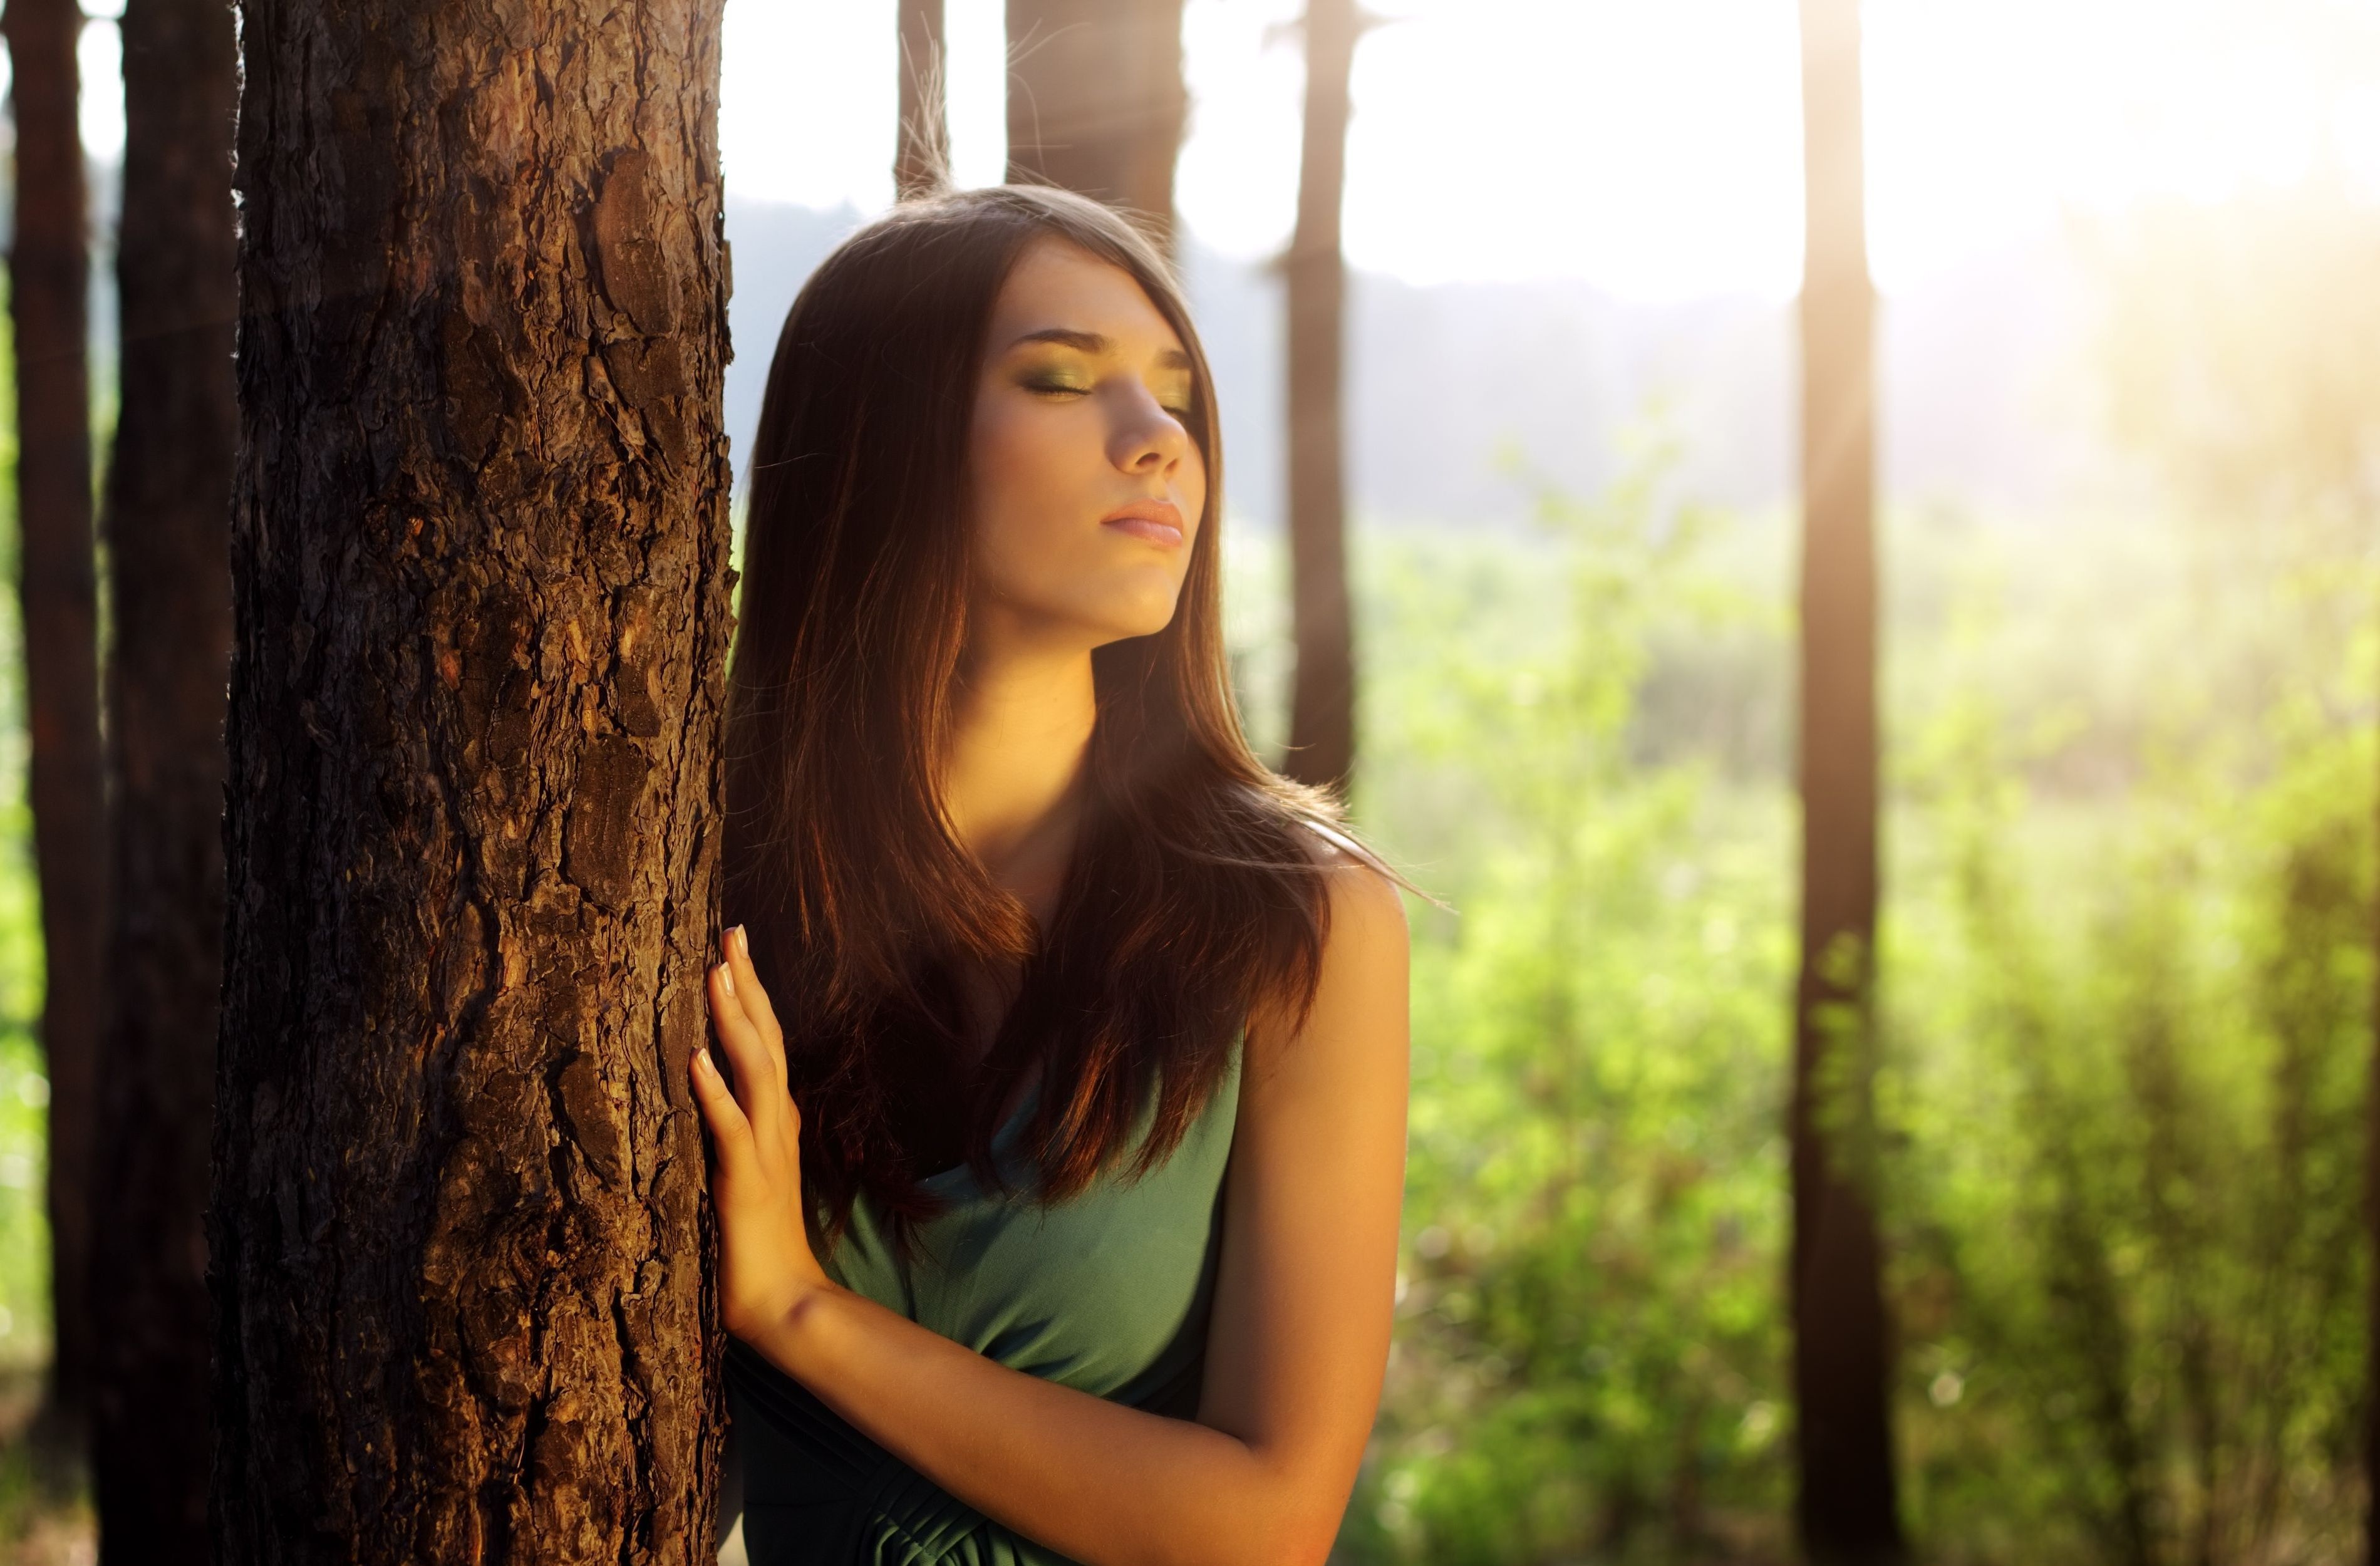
x=749, y=986
x=748, y=1053
x=729, y=1127
x=758, y=1060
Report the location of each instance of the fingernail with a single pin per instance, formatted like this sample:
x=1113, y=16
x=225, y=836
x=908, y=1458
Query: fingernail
x=743, y=945
x=703, y=1063
x=727, y=978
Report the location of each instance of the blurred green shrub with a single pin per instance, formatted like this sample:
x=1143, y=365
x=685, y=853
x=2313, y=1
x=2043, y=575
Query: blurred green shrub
x=1590, y=1336
x=2126, y=988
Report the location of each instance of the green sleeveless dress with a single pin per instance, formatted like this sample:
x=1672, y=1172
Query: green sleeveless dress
x=1109, y=1294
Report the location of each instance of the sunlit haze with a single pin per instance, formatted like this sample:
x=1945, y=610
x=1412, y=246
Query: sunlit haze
x=1653, y=150
x=1645, y=148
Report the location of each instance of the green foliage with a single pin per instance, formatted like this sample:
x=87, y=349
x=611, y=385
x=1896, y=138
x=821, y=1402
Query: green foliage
x=2125, y=988
x=1589, y=1339
x=2132, y=1100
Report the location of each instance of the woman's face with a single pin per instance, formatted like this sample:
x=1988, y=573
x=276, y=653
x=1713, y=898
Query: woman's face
x=1087, y=487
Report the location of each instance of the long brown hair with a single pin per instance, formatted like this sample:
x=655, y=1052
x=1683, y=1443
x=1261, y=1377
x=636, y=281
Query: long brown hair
x=1193, y=893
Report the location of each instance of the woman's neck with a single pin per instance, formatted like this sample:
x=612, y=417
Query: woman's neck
x=1013, y=782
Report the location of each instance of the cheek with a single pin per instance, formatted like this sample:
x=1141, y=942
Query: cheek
x=1018, y=468
x=1193, y=486
x=1022, y=474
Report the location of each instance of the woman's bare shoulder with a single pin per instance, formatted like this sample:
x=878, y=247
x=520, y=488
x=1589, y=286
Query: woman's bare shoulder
x=1363, y=950
x=1363, y=889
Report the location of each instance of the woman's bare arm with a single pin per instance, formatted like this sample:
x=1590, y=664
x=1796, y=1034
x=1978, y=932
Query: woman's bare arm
x=1299, y=1331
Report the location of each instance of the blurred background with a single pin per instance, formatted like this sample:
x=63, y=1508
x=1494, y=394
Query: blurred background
x=2110, y=1104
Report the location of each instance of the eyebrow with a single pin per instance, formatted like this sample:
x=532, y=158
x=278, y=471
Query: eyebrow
x=1093, y=343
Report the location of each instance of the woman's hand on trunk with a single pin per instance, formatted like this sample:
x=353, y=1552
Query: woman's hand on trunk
x=765, y=1264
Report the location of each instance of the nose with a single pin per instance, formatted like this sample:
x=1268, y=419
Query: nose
x=1144, y=437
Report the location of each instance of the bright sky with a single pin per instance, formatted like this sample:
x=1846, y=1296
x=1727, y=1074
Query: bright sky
x=1650, y=146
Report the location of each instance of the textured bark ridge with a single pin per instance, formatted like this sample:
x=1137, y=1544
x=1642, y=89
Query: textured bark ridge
x=479, y=552
x=169, y=490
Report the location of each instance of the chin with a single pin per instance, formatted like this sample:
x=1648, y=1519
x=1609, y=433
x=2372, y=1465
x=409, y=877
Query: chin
x=1114, y=634
x=1136, y=611
x=1126, y=628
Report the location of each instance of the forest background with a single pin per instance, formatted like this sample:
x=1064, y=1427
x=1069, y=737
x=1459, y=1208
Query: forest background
x=2131, y=459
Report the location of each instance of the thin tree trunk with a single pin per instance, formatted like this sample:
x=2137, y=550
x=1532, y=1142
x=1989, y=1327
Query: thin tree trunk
x=1322, y=699
x=924, y=160
x=49, y=286
x=480, y=568
x=1841, y=1352
x=1096, y=102
x=169, y=498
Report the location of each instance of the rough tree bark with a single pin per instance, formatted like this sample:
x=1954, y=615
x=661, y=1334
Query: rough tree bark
x=479, y=566
x=1096, y=102
x=923, y=160
x=1841, y=1352
x=49, y=285
x=1322, y=696
x=169, y=496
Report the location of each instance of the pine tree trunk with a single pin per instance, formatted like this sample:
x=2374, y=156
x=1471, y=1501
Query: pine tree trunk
x=49, y=286
x=169, y=498
x=1322, y=699
x=1842, y=1354
x=479, y=544
x=923, y=157
x=1096, y=102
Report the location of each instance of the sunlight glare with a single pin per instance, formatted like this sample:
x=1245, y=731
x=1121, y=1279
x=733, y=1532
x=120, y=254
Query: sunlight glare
x=1988, y=119
x=99, y=57
x=807, y=101
x=976, y=33
x=1651, y=149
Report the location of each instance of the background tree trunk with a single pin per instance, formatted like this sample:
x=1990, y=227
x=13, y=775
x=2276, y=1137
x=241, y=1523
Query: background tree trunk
x=169, y=497
x=1322, y=699
x=1842, y=1354
x=924, y=159
x=479, y=545
x=1096, y=102
x=49, y=285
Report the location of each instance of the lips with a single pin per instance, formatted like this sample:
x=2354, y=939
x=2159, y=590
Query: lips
x=1158, y=521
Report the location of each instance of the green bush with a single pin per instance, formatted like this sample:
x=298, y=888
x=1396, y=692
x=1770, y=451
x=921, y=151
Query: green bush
x=2125, y=1001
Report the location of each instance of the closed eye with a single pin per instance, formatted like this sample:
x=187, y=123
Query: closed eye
x=1069, y=389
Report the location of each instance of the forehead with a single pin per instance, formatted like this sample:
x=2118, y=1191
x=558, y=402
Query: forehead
x=1055, y=283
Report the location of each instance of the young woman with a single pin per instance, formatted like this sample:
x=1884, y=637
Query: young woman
x=1058, y=1182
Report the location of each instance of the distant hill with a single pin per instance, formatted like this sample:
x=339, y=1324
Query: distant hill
x=1444, y=379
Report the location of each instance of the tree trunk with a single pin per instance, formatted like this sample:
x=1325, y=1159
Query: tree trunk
x=923, y=162
x=479, y=570
x=169, y=496
x=1322, y=700
x=49, y=284
x=1096, y=102
x=1841, y=1354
